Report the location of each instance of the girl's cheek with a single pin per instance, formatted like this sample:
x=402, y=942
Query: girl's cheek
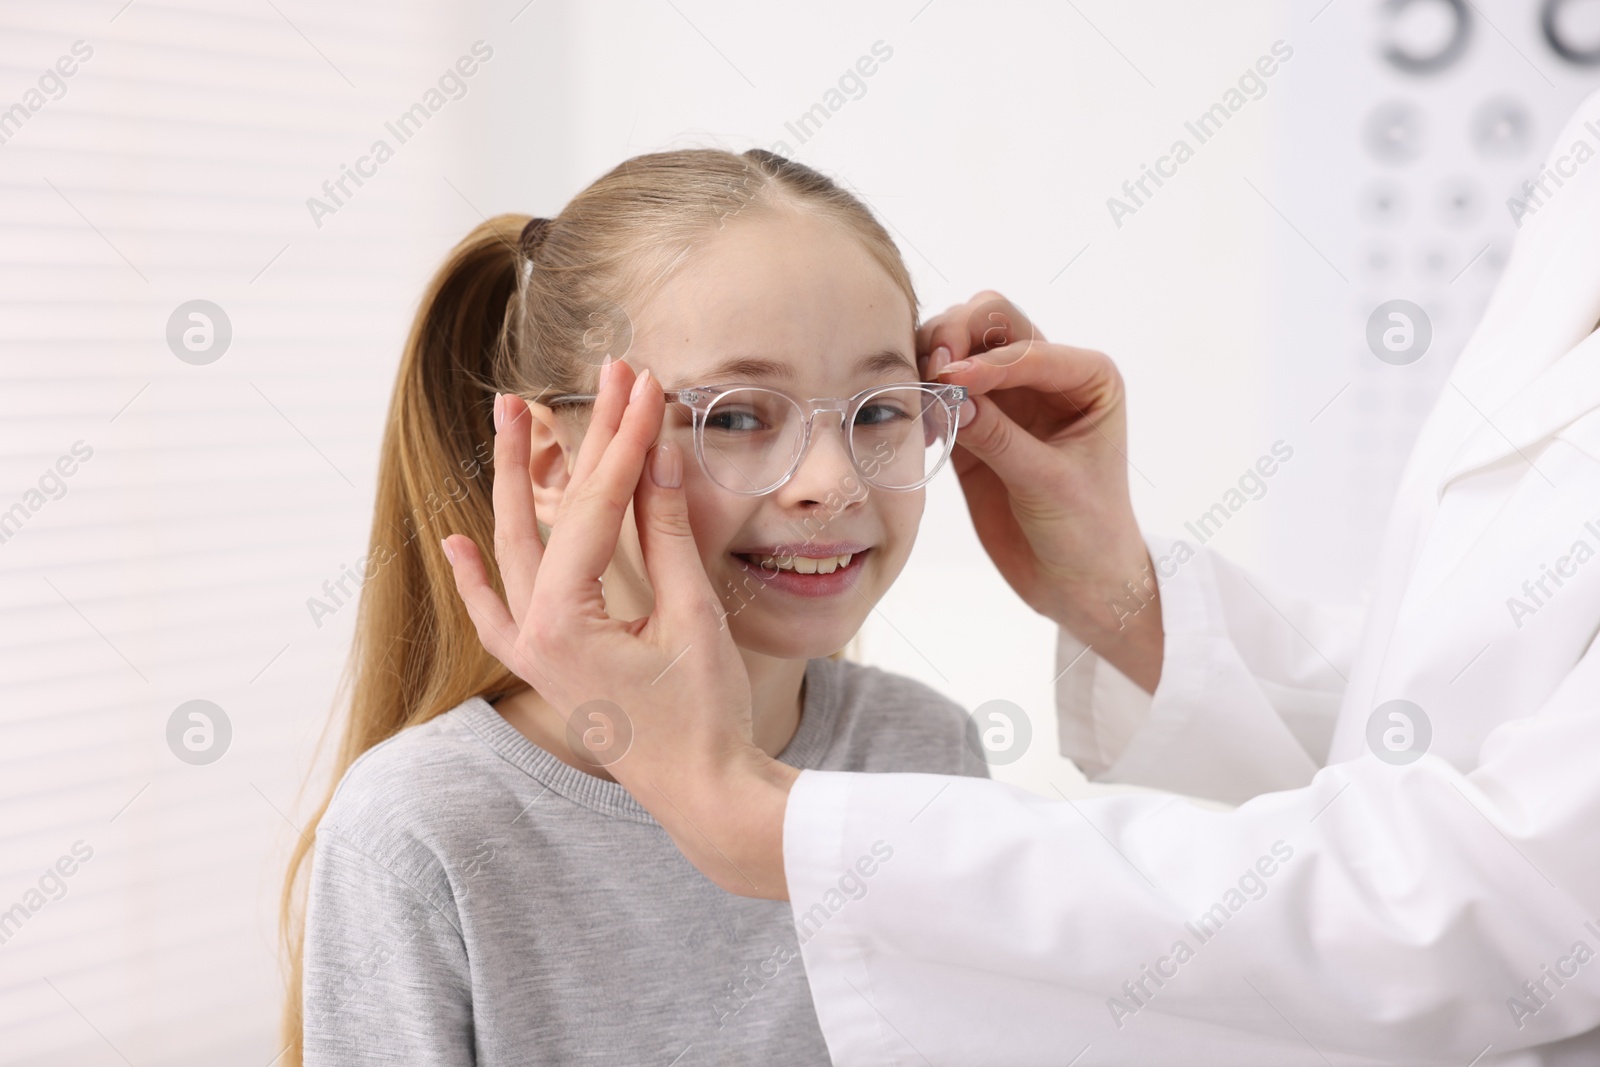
x=904, y=518
x=902, y=510
x=710, y=521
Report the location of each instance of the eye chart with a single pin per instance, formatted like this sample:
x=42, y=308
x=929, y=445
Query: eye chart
x=1407, y=147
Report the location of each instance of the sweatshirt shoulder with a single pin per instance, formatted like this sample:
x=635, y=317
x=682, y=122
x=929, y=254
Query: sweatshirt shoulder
x=888, y=722
x=413, y=793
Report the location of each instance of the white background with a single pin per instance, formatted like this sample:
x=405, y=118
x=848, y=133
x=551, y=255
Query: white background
x=219, y=498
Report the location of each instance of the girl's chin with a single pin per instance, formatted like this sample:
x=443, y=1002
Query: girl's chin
x=788, y=615
x=789, y=637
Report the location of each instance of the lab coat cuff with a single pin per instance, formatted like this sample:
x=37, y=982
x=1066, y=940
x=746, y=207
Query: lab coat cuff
x=814, y=825
x=1212, y=730
x=1099, y=709
x=1190, y=618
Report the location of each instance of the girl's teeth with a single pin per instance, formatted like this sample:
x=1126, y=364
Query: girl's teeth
x=804, y=565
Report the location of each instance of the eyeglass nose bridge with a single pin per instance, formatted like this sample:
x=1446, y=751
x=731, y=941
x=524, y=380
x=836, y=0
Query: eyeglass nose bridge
x=818, y=405
x=810, y=409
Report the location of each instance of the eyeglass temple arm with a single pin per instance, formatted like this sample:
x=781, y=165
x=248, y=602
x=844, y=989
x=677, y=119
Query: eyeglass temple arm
x=559, y=399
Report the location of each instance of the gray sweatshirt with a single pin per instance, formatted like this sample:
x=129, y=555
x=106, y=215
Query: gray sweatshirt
x=474, y=900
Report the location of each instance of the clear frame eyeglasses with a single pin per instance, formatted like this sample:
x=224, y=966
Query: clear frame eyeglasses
x=750, y=440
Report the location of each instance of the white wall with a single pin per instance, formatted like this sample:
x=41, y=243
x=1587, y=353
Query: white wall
x=217, y=498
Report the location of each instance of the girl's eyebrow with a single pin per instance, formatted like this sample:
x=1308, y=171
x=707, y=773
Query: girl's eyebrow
x=752, y=367
x=885, y=361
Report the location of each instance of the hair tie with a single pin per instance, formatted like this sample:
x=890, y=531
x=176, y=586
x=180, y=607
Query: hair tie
x=532, y=236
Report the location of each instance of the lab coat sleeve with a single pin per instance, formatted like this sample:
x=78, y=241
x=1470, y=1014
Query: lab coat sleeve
x=1384, y=913
x=1251, y=681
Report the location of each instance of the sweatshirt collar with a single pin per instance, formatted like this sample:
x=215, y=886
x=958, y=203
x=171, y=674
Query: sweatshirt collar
x=805, y=749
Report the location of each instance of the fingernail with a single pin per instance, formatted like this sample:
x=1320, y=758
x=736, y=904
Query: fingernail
x=958, y=365
x=941, y=360
x=444, y=546
x=666, y=467
x=499, y=411
x=605, y=372
x=640, y=387
x=968, y=412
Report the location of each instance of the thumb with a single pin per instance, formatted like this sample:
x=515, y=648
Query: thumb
x=671, y=557
x=1016, y=456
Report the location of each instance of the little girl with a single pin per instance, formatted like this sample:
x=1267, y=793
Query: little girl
x=481, y=891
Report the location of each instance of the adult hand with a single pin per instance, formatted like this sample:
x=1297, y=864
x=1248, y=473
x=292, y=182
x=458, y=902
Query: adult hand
x=674, y=680
x=1042, y=458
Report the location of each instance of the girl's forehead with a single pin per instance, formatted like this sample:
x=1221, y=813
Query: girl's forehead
x=808, y=372
x=769, y=277
x=818, y=307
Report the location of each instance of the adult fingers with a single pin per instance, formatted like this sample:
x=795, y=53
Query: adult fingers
x=493, y=622
x=616, y=378
x=987, y=321
x=584, y=539
x=671, y=557
x=1081, y=377
x=517, y=548
x=1021, y=460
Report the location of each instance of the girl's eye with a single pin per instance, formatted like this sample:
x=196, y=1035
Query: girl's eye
x=879, y=412
x=734, y=420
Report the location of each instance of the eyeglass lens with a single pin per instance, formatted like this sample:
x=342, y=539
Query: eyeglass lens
x=898, y=437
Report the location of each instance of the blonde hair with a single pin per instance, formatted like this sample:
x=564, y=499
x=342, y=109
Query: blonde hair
x=520, y=305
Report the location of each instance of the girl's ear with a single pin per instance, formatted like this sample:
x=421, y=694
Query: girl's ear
x=548, y=467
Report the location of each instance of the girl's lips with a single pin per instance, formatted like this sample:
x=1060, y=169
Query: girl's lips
x=807, y=549
x=806, y=585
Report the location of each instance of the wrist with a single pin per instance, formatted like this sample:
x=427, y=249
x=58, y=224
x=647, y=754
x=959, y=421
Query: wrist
x=1117, y=612
x=726, y=815
x=749, y=803
x=1102, y=596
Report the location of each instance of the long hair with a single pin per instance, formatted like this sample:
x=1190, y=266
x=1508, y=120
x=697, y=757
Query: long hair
x=523, y=306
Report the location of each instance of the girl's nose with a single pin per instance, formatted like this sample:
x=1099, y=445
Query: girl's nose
x=826, y=474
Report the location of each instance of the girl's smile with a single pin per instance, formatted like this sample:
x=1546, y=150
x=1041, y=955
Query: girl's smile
x=812, y=569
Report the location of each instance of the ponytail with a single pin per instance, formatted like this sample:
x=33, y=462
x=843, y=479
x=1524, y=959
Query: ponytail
x=416, y=654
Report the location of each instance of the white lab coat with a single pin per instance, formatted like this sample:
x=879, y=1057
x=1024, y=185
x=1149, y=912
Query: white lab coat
x=1351, y=910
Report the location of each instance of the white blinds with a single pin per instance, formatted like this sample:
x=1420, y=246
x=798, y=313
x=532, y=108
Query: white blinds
x=206, y=501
